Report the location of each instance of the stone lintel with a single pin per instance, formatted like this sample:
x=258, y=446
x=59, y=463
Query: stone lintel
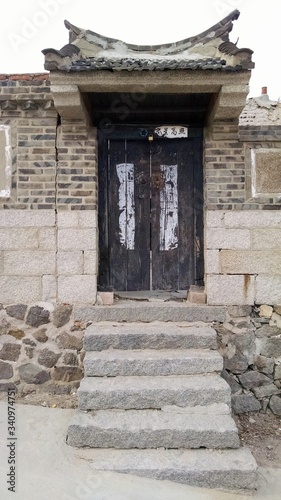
x=69, y=103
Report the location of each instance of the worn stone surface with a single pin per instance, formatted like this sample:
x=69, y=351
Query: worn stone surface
x=238, y=363
x=70, y=358
x=252, y=379
x=236, y=289
x=264, y=365
x=227, y=469
x=59, y=389
x=67, y=373
x=265, y=311
x=48, y=358
x=6, y=370
x=275, y=405
x=151, y=362
x=133, y=312
x=10, y=352
x=17, y=311
x=67, y=341
x=266, y=390
x=16, y=332
x=271, y=347
x=100, y=336
x=267, y=331
x=275, y=320
x=37, y=316
x=244, y=403
x=40, y=335
x=277, y=372
x=29, y=342
x=152, y=429
x=239, y=311
x=151, y=392
x=29, y=351
x=232, y=382
x=277, y=309
x=61, y=314
x=32, y=374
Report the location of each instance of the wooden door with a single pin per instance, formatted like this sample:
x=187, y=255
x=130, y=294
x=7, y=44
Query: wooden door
x=149, y=224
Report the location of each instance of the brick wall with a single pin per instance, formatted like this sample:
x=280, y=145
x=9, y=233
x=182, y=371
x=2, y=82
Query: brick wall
x=47, y=252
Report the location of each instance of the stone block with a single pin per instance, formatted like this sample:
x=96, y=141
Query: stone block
x=29, y=263
x=251, y=262
x=244, y=403
x=277, y=372
x=105, y=298
x=10, y=352
x=265, y=391
x=214, y=218
x=37, y=316
x=47, y=238
x=196, y=295
x=67, y=373
x=17, y=311
x=268, y=289
x=77, y=289
x=212, y=262
x=90, y=262
x=67, y=219
x=253, y=219
x=264, y=239
x=266, y=165
x=6, y=370
x=230, y=290
x=69, y=263
x=88, y=218
x=67, y=341
x=222, y=238
x=49, y=288
x=61, y=315
x=275, y=320
x=18, y=238
x=48, y=358
x=76, y=239
x=27, y=218
x=32, y=374
x=253, y=378
x=275, y=405
x=264, y=365
x=271, y=347
x=265, y=311
x=20, y=289
x=239, y=311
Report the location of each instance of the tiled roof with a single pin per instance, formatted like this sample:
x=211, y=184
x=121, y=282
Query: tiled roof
x=89, y=51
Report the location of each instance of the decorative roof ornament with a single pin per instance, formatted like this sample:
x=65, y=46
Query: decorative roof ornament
x=89, y=51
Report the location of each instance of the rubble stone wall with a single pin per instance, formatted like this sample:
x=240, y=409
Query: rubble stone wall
x=250, y=343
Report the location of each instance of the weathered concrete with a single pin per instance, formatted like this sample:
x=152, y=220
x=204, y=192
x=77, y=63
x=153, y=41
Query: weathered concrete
x=157, y=335
x=132, y=311
x=151, y=429
x=151, y=362
x=96, y=393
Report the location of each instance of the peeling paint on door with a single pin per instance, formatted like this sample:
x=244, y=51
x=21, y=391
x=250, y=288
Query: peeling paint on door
x=127, y=223
x=169, y=208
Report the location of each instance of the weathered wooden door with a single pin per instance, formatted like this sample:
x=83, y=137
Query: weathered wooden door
x=150, y=213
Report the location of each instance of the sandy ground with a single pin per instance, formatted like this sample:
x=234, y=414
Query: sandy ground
x=47, y=468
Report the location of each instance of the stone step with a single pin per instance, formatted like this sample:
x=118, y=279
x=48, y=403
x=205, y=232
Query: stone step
x=156, y=335
x=112, y=363
x=131, y=311
x=101, y=393
x=151, y=429
x=221, y=469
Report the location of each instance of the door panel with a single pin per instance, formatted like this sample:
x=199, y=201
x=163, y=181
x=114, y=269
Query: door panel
x=147, y=221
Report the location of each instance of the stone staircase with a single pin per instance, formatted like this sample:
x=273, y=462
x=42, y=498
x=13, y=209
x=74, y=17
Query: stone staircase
x=152, y=403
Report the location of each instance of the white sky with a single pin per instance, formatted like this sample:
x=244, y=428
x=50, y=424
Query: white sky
x=28, y=26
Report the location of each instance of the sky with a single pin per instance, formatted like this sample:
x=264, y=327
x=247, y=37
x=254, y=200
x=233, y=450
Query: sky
x=28, y=26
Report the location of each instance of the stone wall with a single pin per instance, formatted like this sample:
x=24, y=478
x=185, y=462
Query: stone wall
x=250, y=343
x=41, y=348
x=48, y=221
x=243, y=258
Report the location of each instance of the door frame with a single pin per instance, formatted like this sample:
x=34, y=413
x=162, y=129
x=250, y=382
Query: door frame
x=136, y=132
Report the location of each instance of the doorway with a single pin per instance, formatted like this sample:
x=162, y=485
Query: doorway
x=150, y=210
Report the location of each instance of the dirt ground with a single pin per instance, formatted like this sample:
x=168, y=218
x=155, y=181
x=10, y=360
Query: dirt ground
x=261, y=432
